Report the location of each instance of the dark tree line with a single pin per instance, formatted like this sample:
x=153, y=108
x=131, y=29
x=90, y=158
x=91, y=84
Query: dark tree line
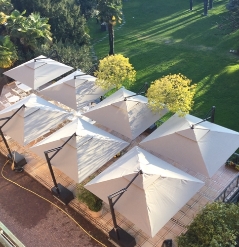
x=67, y=22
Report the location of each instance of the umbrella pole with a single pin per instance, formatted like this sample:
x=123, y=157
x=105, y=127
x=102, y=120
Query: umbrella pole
x=117, y=234
x=6, y=144
x=113, y=217
x=59, y=191
x=18, y=159
x=51, y=171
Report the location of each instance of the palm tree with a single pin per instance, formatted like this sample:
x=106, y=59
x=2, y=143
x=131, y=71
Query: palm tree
x=8, y=52
x=35, y=30
x=30, y=31
x=110, y=11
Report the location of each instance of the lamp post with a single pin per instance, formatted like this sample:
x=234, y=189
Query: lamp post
x=59, y=191
x=18, y=159
x=117, y=234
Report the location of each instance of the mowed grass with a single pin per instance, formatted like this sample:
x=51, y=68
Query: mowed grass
x=162, y=37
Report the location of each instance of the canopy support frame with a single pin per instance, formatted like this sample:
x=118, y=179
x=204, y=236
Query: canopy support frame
x=145, y=87
x=18, y=159
x=59, y=191
x=211, y=117
x=117, y=234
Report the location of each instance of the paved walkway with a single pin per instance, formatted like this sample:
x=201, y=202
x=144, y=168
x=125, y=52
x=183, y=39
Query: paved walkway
x=36, y=222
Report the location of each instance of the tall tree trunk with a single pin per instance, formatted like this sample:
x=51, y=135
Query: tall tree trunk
x=191, y=4
x=111, y=38
x=205, y=7
x=210, y=4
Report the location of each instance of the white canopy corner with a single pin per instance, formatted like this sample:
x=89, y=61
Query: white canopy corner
x=75, y=90
x=129, y=116
x=86, y=152
x=203, y=149
x=34, y=120
x=38, y=71
x=154, y=197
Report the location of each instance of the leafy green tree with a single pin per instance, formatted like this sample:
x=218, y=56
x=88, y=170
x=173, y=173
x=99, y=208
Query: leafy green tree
x=87, y=7
x=215, y=226
x=31, y=31
x=71, y=54
x=3, y=18
x=114, y=72
x=173, y=92
x=8, y=52
x=110, y=11
x=67, y=22
x=6, y=6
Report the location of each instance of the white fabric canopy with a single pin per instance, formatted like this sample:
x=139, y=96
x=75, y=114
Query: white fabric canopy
x=203, y=149
x=32, y=121
x=154, y=197
x=38, y=71
x=128, y=117
x=75, y=90
x=86, y=152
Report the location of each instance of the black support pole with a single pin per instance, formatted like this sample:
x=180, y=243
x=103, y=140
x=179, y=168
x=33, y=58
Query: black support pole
x=18, y=159
x=6, y=144
x=78, y=76
x=142, y=91
x=210, y=4
x=113, y=217
x=191, y=4
x=118, y=235
x=205, y=7
x=52, y=173
x=210, y=116
x=59, y=191
x=213, y=114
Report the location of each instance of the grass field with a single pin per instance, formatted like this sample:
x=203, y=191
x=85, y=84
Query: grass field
x=162, y=37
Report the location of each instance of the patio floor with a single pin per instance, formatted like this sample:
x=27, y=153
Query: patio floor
x=38, y=169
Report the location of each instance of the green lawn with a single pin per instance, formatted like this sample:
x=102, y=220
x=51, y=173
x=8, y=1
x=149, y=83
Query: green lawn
x=162, y=37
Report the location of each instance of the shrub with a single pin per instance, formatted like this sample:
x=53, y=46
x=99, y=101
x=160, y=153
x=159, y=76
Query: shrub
x=93, y=202
x=215, y=226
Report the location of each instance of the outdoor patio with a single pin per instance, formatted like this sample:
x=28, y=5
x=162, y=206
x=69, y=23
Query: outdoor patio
x=38, y=169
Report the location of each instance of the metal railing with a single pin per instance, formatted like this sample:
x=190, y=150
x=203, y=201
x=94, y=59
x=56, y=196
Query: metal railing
x=230, y=193
x=7, y=238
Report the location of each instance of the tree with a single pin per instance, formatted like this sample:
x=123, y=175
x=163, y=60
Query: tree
x=87, y=7
x=8, y=52
x=110, y=11
x=215, y=226
x=3, y=18
x=115, y=71
x=30, y=31
x=230, y=23
x=70, y=54
x=173, y=92
x=67, y=22
x=5, y=6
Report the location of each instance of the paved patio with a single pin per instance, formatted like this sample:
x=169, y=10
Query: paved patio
x=37, y=168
